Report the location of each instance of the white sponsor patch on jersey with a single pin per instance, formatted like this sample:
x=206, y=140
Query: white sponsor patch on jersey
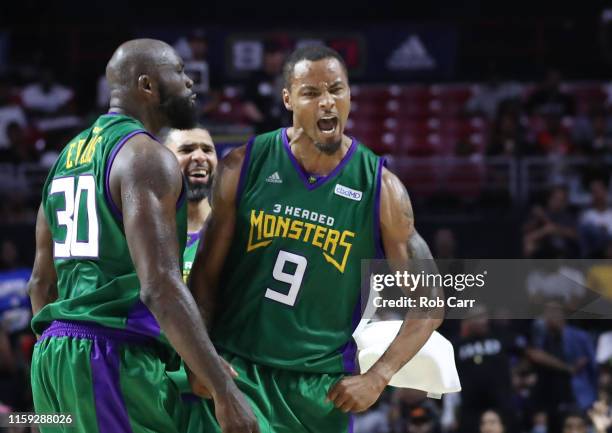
x=346, y=192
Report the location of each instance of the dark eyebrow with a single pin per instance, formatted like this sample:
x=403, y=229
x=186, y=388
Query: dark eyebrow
x=192, y=144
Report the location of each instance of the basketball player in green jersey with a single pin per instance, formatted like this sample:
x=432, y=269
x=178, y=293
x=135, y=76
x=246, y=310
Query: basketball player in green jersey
x=107, y=293
x=197, y=158
x=295, y=211
x=195, y=152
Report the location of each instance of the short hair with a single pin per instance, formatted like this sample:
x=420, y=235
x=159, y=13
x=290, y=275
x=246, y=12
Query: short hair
x=164, y=134
x=312, y=53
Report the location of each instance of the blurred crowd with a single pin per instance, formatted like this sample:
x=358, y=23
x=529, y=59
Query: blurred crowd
x=545, y=375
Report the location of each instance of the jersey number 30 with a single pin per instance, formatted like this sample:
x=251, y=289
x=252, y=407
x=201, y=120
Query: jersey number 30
x=294, y=280
x=69, y=217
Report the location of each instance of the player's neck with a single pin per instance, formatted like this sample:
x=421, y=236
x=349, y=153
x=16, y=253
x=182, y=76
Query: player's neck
x=313, y=160
x=196, y=215
x=149, y=120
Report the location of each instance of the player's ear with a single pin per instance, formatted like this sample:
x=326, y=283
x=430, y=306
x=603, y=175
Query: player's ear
x=287, y=99
x=144, y=83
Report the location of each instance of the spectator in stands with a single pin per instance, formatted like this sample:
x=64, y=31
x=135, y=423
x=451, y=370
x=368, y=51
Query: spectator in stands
x=569, y=375
x=595, y=227
x=555, y=138
x=549, y=100
x=22, y=145
x=553, y=223
x=593, y=134
x=491, y=422
x=488, y=96
x=422, y=417
x=50, y=106
x=47, y=96
x=193, y=49
x=552, y=279
x=508, y=135
x=599, y=276
x=262, y=95
x=9, y=256
x=484, y=364
x=10, y=385
x=10, y=112
x=575, y=422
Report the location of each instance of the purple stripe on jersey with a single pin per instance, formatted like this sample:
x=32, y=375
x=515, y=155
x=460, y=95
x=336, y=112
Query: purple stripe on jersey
x=183, y=195
x=111, y=412
x=192, y=238
x=90, y=331
x=380, y=251
x=320, y=180
x=349, y=351
x=109, y=164
x=244, y=170
x=141, y=320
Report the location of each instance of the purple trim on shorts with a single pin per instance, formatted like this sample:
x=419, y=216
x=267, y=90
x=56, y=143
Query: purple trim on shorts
x=141, y=321
x=244, y=170
x=189, y=397
x=380, y=251
x=320, y=179
x=351, y=423
x=109, y=164
x=91, y=331
x=192, y=238
x=111, y=412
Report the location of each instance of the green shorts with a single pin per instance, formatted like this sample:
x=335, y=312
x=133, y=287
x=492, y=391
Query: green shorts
x=110, y=381
x=190, y=414
x=283, y=401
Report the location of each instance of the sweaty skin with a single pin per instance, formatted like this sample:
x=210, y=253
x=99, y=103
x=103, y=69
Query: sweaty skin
x=145, y=183
x=319, y=89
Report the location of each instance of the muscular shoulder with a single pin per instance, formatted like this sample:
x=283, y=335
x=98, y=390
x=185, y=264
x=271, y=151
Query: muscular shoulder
x=145, y=163
x=395, y=208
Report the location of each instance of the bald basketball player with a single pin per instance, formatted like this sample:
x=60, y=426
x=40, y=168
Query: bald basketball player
x=107, y=293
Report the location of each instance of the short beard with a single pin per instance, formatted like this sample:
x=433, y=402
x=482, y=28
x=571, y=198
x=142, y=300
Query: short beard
x=328, y=148
x=179, y=110
x=196, y=192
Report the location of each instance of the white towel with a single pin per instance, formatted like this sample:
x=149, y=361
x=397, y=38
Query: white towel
x=432, y=369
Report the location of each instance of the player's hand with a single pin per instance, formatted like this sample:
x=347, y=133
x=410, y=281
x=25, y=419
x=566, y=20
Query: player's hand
x=357, y=393
x=234, y=414
x=199, y=388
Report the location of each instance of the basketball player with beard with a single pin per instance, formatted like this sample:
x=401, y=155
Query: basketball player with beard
x=107, y=293
x=294, y=213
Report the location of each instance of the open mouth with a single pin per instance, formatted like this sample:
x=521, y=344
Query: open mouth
x=199, y=175
x=327, y=124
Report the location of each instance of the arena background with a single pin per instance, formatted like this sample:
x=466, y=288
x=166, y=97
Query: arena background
x=497, y=118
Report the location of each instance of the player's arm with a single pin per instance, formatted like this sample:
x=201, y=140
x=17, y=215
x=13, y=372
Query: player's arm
x=145, y=179
x=217, y=235
x=405, y=249
x=42, y=286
